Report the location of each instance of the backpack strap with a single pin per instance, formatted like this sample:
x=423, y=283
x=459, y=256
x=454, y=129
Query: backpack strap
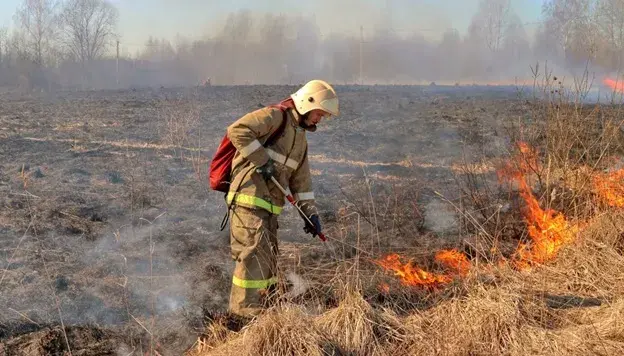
x=277, y=133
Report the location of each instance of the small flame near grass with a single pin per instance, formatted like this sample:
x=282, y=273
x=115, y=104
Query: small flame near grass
x=610, y=188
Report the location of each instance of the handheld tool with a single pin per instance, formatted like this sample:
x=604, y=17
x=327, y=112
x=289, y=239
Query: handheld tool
x=294, y=203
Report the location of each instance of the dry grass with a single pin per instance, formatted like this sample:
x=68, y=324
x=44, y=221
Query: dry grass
x=572, y=305
x=356, y=327
x=286, y=330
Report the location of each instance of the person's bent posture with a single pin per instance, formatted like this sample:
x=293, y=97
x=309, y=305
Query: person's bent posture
x=256, y=201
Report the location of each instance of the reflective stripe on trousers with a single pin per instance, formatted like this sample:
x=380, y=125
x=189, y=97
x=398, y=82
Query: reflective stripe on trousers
x=253, y=201
x=255, y=284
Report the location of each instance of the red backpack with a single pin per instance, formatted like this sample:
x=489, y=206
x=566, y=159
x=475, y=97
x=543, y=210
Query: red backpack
x=221, y=166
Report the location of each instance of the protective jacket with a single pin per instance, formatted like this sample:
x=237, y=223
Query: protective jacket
x=289, y=151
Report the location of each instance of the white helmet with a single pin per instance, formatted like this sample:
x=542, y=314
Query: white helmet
x=316, y=94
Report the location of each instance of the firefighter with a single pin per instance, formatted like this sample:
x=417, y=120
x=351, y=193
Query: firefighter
x=256, y=202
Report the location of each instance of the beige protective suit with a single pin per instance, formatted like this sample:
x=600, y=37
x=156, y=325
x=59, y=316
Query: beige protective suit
x=256, y=203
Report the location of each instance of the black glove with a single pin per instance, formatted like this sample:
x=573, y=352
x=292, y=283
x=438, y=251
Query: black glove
x=313, y=229
x=267, y=170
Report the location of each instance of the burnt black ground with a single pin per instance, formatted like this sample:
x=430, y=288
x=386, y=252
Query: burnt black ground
x=87, y=179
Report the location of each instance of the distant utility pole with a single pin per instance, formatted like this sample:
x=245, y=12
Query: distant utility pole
x=361, y=44
x=117, y=65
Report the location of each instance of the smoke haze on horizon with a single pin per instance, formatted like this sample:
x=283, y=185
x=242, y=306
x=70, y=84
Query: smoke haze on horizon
x=188, y=42
x=195, y=19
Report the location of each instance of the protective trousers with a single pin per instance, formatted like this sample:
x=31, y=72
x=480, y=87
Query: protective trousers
x=253, y=241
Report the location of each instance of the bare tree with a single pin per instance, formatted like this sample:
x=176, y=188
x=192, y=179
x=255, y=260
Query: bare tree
x=89, y=27
x=4, y=35
x=448, y=56
x=38, y=20
x=516, y=42
x=610, y=21
x=235, y=37
x=158, y=50
x=302, y=55
x=570, y=23
x=4, y=58
x=17, y=46
x=490, y=23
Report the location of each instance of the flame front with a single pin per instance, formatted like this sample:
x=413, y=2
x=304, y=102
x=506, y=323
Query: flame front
x=548, y=229
x=454, y=260
x=411, y=275
x=524, y=163
x=610, y=188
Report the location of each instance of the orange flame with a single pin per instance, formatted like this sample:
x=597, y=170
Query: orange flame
x=616, y=86
x=549, y=230
x=411, y=275
x=454, y=260
x=610, y=188
x=526, y=161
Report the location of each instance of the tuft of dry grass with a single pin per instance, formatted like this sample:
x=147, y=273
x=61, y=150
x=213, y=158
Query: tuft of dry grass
x=286, y=330
x=483, y=322
x=356, y=327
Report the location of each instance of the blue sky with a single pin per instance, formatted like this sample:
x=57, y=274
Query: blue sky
x=194, y=18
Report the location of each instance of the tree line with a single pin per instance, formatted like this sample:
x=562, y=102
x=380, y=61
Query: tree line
x=67, y=44
x=54, y=42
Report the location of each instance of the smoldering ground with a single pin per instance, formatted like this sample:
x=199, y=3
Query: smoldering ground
x=117, y=229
